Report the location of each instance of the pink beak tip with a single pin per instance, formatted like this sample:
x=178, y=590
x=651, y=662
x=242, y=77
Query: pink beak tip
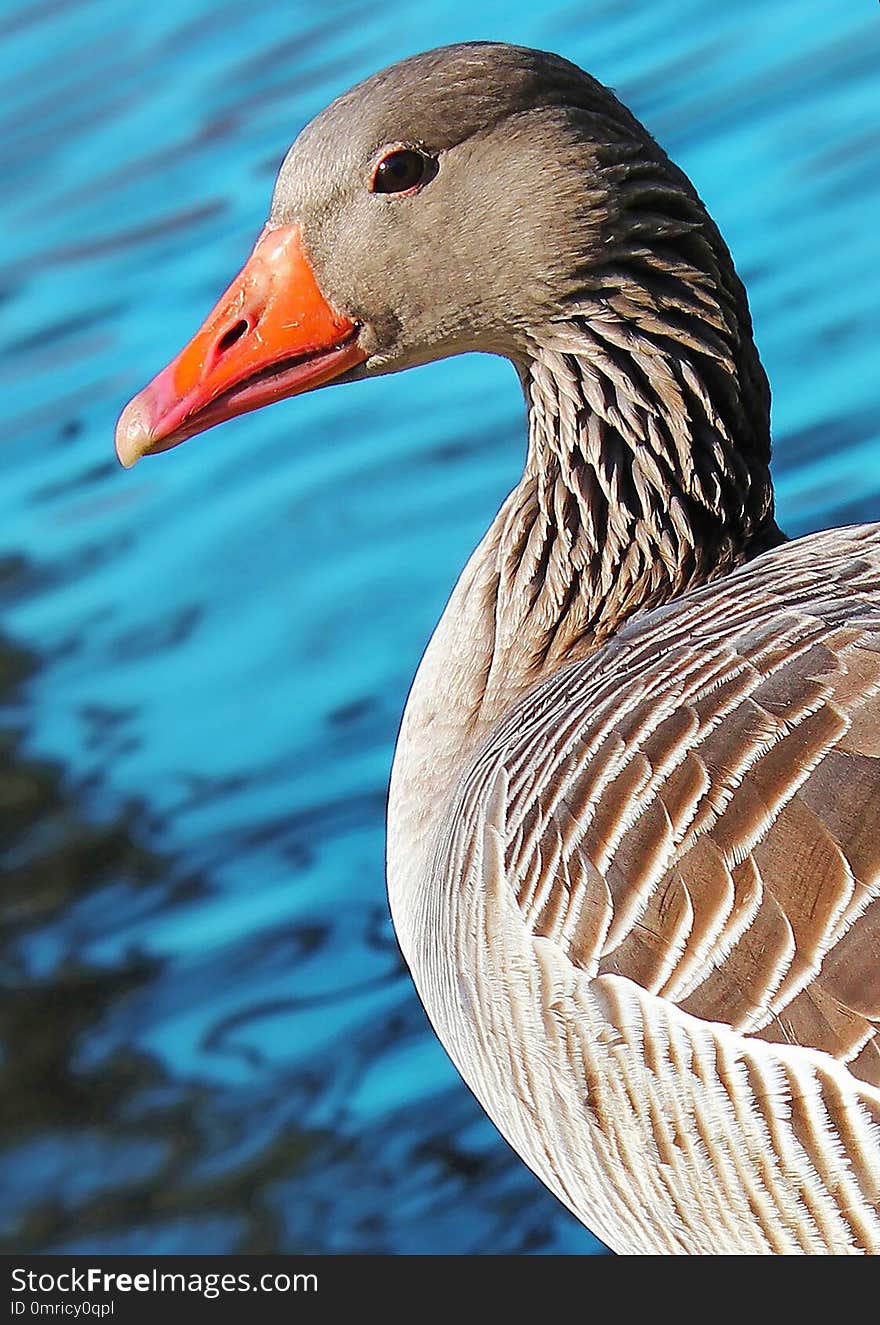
x=133, y=433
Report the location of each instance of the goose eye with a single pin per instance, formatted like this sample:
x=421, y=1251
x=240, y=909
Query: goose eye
x=403, y=170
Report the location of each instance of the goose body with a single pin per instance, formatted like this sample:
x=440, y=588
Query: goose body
x=634, y=815
x=635, y=925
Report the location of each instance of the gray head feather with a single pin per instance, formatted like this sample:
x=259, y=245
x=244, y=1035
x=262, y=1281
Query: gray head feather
x=533, y=156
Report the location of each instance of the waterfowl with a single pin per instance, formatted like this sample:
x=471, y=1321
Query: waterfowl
x=634, y=814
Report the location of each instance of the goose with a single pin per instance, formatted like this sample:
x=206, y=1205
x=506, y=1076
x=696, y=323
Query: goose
x=633, y=847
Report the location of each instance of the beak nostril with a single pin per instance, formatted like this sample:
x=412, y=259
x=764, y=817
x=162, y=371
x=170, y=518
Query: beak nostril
x=235, y=333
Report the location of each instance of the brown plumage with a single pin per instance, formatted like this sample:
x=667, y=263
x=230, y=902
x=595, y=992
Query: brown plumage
x=724, y=786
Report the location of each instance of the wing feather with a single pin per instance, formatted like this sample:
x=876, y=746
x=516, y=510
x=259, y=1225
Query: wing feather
x=696, y=807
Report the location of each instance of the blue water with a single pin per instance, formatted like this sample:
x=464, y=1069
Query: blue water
x=209, y=1042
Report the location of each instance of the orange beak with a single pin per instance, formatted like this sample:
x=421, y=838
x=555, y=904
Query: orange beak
x=272, y=335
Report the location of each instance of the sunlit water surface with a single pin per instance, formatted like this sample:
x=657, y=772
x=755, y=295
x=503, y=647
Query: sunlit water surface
x=210, y=1043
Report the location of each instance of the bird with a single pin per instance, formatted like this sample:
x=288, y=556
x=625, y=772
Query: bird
x=633, y=838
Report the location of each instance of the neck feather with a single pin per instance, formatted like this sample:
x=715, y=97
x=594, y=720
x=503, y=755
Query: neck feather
x=648, y=463
x=647, y=471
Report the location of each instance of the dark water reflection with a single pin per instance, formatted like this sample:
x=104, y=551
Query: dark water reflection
x=104, y=1147
x=209, y=1042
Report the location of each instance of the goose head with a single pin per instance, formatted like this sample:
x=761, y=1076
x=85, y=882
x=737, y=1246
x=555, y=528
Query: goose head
x=460, y=200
